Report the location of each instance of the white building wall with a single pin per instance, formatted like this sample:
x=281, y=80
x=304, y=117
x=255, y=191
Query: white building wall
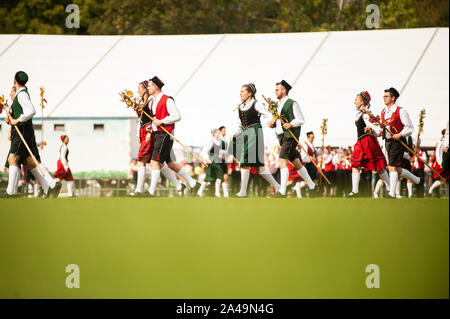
x=89, y=150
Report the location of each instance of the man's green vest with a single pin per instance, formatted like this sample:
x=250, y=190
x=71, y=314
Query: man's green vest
x=16, y=108
x=287, y=114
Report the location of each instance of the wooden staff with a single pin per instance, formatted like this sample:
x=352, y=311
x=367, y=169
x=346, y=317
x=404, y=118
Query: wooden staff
x=23, y=139
x=152, y=118
x=378, y=122
x=421, y=117
x=324, y=131
x=298, y=142
x=43, y=101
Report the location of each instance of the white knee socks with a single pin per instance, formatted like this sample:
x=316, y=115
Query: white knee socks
x=284, y=176
x=265, y=173
x=156, y=174
x=170, y=175
x=355, y=182
x=409, y=187
x=218, y=182
x=185, y=175
x=385, y=177
x=225, y=189
x=393, y=180
x=13, y=180
x=305, y=176
x=435, y=184
x=245, y=175
x=408, y=175
x=140, y=179
x=70, y=188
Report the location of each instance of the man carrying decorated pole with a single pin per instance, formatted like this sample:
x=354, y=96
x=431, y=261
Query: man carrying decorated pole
x=288, y=134
x=23, y=141
x=308, y=145
x=397, y=126
x=166, y=115
x=147, y=141
x=248, y=140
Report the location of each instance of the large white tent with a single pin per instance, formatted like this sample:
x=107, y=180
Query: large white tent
x=82, y=76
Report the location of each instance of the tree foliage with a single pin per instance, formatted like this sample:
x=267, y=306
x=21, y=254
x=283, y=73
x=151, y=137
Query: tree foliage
x=216, y=16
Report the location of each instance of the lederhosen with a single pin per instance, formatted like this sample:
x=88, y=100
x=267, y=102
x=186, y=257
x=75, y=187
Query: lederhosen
x=288, y=144
x=394, y=149
x=17, y=146
x=310, y=167
x=162, y=151
x=248, y=146
x=214, y=170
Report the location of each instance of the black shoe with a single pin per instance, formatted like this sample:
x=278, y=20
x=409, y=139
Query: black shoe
x=56, y=190
x=135, y=194
x=314, y=192
x=6, y=195
x=279, y=195
x=352, y=195
x=49, y=192
x=237, y=196
x=194, y=190
x=181, y=191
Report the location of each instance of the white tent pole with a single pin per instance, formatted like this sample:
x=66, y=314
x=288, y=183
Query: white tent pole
x=10, y=45
x=85, y=76
x=311, y=58
x=418, y=61
x=200, y=65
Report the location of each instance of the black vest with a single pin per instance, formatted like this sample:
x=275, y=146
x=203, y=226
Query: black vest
x=249, y=117
x=360, y=126
x=144, y=119
x=67, y=153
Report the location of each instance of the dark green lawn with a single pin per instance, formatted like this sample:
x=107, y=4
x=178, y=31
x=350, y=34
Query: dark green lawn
x=224, y=248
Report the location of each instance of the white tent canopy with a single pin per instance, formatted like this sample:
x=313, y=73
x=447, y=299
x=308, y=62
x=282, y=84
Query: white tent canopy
x=82, y=75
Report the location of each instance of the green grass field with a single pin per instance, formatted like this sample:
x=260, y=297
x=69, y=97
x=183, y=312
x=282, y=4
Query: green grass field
x=224, y=248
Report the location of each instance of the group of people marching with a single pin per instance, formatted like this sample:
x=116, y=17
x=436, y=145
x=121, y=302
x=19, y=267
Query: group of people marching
x=157, y=117
x=24, y=151
x=246, y=147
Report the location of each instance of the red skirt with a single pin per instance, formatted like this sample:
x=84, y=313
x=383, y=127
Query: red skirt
x=293, y=174
x=367, y=153
x=61, y=173
x=145, y=149
x=440, y=170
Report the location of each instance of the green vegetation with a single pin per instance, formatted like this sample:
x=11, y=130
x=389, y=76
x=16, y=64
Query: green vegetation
x=216, y=16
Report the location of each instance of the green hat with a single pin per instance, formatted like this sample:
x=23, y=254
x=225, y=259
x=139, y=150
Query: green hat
x=21, y=78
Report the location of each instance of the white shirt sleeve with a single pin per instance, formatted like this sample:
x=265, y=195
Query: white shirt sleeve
x=408, y=128
x=328, y=160
x=62, y=156
x=305, y=158
x=446, y=136
x=299, y=119
x=376, y=129
x=27, y=107
x=266, y=116
x=174, y=114
x=439, y=152
x=205, y=151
